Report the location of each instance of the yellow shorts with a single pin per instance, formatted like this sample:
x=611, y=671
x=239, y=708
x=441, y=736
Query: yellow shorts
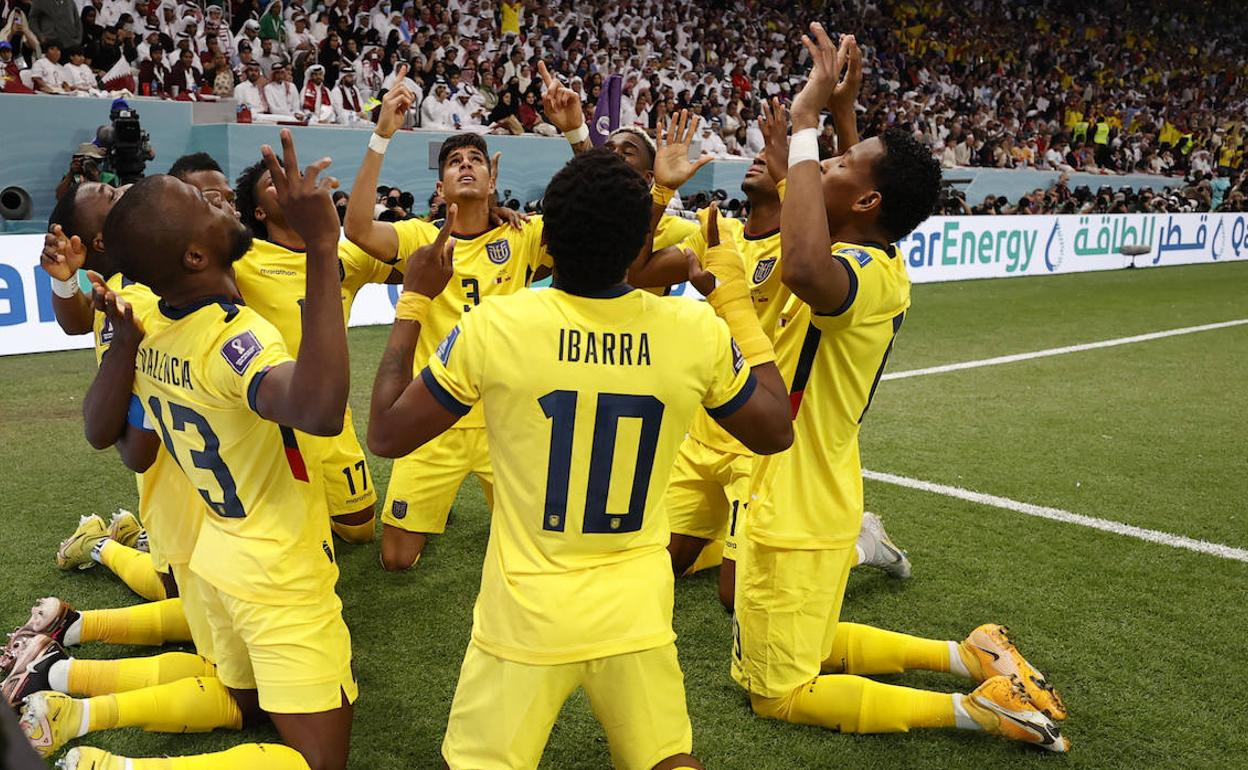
x=348, y=483
x=298, y=657
x=423, y=484
x=503, y=710
x=788, y=603
x=708, y=493
x=192, y=591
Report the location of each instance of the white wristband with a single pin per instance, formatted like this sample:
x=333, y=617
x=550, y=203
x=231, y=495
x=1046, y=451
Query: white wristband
x=378, y=143
x=65, y=289
x=577, y=135
x=804, y=146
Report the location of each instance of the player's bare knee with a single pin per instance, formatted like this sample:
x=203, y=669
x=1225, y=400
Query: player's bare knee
x=678, y=761
x=400, y=549
x=727, y=597
x=684, y=551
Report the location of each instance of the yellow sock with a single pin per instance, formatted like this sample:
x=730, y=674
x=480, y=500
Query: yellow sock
x=853, y=704
x=135, y=570
x=194, y=705
x=151, y=624
x=355, y=533
x=712, y=556
x=105, y=677
x=249, y=756
x=859, y=649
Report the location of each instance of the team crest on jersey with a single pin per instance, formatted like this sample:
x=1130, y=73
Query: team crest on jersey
x=738, y=360
x=498, y=251
x=398, y=509
x=444, y=347
x=860, y=255
x=239, y=350
x=763, y=269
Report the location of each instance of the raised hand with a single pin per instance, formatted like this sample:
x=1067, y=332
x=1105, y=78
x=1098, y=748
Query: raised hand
x=672, y=166
x=774, y=124
x=395, y=105
x=127, y=330
x=561, y=104
x=724, y=263
x=306, y=202
x=62, y=257
x=846, y=91
x=825, y=71
x=430, y=267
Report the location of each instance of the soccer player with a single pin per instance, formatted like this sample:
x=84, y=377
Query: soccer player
x=225, y=397
x=850, y=294
x=587, y=390
x=490, y=260
x=271, y=279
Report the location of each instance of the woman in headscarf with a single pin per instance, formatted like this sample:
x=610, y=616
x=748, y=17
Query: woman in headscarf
x=91, y=32
x=502, y=118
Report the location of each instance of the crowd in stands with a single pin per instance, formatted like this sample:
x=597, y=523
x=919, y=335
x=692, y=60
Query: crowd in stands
x=1118, y=86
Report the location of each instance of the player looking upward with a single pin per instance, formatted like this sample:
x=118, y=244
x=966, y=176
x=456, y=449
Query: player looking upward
x=215, y=381
x=587, y=391
x=791, y=653
x=490, y=260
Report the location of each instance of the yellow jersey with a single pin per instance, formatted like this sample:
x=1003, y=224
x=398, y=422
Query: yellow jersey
x=810, y=496
x=761, y=255
x=273, y=280
x=511, y=17
x=169, y=506
x=586, y=401
x=671, y=231
x=499, y=261
x=265, y=536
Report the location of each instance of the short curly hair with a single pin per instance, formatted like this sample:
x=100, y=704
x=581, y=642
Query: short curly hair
x=246, y=199
x=908, y=179
x=192, y=163
x=596, y=214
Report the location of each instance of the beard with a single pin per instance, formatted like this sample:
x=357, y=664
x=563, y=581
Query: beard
x=240, y=243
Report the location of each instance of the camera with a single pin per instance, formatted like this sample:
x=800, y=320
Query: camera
x=128, y=145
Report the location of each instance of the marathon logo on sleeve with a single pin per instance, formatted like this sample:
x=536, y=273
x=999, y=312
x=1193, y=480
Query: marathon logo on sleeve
x=239, y=351
x=498, y=251
x=444, y=347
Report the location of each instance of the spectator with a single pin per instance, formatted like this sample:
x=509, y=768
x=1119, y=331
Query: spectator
x=467, y=114
x=503, y=118
x=153, y=73
x=78, y=76
x=532, y=119
x=347, y=101
x=712, y=143
x=318, y=105
x=183, y=77
x=280, y=94
x=56, y=20
x=48, y=75
x=91, y=31
x=251, y=90
x=272, y=26
x=22, y=42
x=436, y=111
x=106, y=52
x=10, y=71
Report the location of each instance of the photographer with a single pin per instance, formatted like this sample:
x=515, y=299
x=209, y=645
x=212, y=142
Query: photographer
x=86, y=166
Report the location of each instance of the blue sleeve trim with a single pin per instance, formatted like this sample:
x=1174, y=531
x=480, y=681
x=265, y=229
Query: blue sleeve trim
x=444, y=397
x=254, y=388
x=135, y=415
x=853, y=288
x=736, y=402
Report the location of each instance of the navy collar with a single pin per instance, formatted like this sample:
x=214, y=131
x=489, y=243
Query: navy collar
x=760, y=236
x=228, y=304
x=619, y=290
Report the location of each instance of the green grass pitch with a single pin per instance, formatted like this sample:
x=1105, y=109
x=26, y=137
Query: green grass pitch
x=1145, y=641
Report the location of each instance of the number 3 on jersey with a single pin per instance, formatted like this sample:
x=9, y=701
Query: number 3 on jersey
x=559, y=406
x=209, y=459
x=472, y=290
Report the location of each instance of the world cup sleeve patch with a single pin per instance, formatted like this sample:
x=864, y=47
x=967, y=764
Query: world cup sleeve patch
x=498, y=251
x=444, y=347
x=239, y=351
x=106, y=332
x=858, y=255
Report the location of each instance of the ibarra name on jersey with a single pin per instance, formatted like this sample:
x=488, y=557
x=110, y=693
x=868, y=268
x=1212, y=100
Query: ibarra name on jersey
x=578, y=346
x=165, y=368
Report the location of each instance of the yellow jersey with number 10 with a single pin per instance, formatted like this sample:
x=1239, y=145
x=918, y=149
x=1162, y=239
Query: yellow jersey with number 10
x=499, y=261
x=810, y=496
x=169, y=507
x=586, y=401
x=265, y=537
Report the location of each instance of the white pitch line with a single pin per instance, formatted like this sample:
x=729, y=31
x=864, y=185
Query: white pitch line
x=1056, y=514
x=1061, y=351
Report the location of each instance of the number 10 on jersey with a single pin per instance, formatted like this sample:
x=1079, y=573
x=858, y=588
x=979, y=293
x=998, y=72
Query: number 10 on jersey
x=559, y=406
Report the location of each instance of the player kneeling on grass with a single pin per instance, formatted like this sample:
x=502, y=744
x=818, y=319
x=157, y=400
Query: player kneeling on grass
x=791, y=653
x=587, y=390
x=212, y=380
